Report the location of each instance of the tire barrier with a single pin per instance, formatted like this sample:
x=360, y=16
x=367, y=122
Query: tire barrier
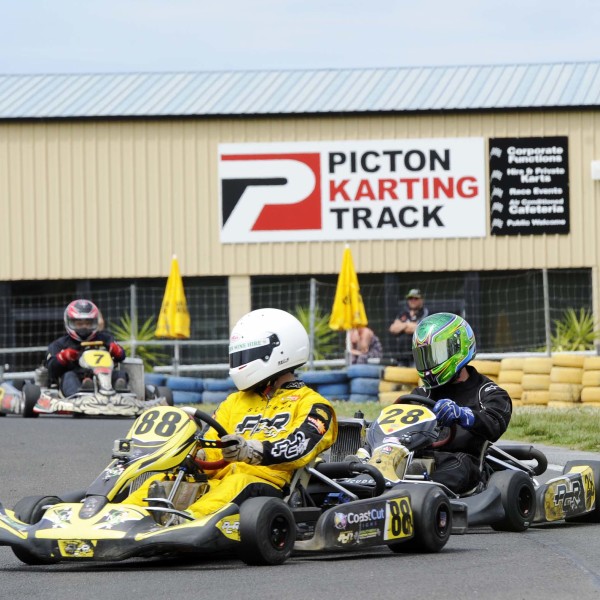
x=183, y=397
x=185, y=384
x=334, y=391
x=154, y=379
x=219, y=385
x=539, y=366
x=214, y=397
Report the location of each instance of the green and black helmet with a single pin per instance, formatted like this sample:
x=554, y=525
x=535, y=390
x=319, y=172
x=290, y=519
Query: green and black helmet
x=442, y=344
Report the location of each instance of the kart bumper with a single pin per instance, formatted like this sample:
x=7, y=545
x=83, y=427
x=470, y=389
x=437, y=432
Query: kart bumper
x=118, y=532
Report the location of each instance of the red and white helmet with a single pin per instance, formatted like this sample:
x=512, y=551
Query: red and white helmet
x=81, y=320
x=263, y=344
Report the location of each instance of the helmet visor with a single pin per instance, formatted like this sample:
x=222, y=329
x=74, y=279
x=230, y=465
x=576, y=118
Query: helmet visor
x=431, y=356
x=242, y=353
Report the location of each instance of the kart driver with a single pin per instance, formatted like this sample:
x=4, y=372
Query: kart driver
x=442, y=345
x=82, y=324
x=278, y=424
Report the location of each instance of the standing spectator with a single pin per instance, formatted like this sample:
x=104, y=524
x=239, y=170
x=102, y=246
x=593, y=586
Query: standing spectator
x=364, y=344
x=406, y=322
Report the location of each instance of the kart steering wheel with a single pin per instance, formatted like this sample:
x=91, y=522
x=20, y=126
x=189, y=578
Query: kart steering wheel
x=202, y=418
x=429, y=403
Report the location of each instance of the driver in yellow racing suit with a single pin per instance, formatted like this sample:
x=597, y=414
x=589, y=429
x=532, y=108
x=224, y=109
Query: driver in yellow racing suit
x=278, y=424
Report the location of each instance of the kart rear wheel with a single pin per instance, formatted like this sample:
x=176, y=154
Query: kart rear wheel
x=432, y=521
x=267, y=531
x=594, y=515
x=30, y=510
x=31, y=394
x=518, y=500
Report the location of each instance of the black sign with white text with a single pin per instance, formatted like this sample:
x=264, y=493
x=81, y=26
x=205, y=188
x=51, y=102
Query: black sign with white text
x=529, y=185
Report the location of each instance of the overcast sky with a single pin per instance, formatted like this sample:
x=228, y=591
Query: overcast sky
x=105, y=36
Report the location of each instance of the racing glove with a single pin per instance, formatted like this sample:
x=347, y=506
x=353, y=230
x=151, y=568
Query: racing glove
x=66, y=356
x=448, y=412
x=116, y=351
x=248, y=451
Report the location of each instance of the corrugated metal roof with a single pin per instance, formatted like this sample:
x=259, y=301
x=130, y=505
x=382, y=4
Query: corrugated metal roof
x=300, y=92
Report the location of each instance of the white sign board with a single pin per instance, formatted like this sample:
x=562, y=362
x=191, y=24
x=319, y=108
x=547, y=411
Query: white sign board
x=352, y=190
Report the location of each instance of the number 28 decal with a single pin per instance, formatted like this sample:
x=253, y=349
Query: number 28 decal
x=399, y=416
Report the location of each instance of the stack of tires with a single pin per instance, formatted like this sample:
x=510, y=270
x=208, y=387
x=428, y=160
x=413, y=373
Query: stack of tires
x=566, y=378
x=510, y=377
x=395, y=382
x=332, y=385
x=489, y=368
x=364, y=382
x=217, y=389
x=590, y=391
x=186, y=390
x=155, y=379
x=536, y=379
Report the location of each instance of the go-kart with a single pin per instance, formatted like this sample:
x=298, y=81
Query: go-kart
x=508, y=497
x=315, y=513
x=103, y=400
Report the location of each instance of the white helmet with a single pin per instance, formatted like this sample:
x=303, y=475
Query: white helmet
x=265, y=343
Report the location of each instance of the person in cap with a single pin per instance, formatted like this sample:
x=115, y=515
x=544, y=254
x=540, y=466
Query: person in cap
x=406, y=322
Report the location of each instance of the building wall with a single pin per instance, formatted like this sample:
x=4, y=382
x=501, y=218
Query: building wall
x=111, y=199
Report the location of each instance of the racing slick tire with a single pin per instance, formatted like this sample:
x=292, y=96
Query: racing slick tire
x=594, y=515
x=31, y=394
x=30, y=510
x=432, y=520
x=517, y=494
x=267, y=531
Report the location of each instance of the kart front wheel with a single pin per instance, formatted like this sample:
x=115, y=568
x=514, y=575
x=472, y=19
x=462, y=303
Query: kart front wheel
x=267, y=531
x=30, y=510
x=518, y=500
x=31, y=394
x=432, y=521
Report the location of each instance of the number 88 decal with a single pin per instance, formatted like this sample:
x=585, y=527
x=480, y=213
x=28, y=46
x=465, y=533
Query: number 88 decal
x=398, y=519
x=164, y=427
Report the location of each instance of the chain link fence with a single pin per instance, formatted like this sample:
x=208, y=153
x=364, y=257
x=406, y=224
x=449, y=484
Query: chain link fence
x=511, y=312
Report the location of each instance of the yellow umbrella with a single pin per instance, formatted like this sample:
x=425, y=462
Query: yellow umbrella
x=348, y=309
x=174, y=318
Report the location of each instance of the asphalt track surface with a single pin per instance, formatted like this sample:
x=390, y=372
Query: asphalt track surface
x=54, y=454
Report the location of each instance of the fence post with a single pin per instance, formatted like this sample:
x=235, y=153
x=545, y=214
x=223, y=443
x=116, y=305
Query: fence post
x=311, y=321
x=134, y=317
x=547, y=311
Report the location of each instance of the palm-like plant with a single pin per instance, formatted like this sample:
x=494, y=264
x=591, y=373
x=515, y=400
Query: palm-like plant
x=575, y=331
x=124, y=332
x=326, y=340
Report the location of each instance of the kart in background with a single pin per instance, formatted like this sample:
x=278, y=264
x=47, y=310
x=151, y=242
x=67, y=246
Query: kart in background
x=95, y=525
x=508, y=497
x=33, y=399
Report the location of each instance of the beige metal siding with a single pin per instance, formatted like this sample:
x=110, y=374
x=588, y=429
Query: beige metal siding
x=106, y=199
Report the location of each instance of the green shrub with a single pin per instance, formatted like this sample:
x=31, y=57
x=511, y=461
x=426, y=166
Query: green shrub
x=326, y=342
x=575, y=331
x=150, y=355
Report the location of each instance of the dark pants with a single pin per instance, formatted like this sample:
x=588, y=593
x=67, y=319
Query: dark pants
x=456, y=470
x=71, y=381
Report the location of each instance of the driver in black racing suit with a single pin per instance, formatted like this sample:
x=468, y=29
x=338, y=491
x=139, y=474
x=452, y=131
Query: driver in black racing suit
x=443, y=344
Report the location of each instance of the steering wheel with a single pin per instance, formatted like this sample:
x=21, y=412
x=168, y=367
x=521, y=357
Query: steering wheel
x=202, y=418
x=429, y=403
